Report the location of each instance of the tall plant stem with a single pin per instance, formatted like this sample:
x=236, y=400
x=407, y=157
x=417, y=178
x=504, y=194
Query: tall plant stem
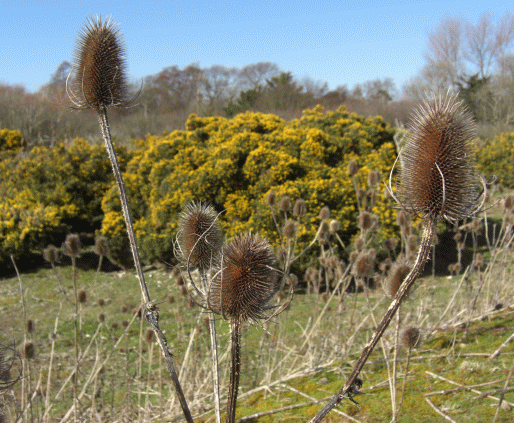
x=150, y=311
x=214, y=352
x=423, y=254
x=235, y=368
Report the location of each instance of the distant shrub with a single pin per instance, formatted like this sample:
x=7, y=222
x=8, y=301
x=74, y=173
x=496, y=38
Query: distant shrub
x=234, y=163
x=496, y=157
x=47, y=192
x=11, y=140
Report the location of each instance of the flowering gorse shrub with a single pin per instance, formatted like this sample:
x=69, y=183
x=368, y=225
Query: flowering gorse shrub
x=11, y=140
x=46, y=192
x=234, y=163
x=495, y=158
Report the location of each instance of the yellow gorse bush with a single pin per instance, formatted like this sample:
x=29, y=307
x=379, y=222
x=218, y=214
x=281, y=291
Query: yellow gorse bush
x=496, y=158
x=234, y=163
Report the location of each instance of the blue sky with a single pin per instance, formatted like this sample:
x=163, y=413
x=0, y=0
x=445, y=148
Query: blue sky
x=339, y=42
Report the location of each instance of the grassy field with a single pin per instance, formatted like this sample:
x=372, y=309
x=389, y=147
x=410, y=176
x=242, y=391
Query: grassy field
x=297, y=360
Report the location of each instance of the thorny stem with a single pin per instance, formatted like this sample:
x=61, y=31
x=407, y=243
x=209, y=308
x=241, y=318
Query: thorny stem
x=423, y=254
x=150, y=311
x=235, y=368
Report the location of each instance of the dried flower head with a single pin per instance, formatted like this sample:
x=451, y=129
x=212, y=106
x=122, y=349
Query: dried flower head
x=364, y=265
x=334, y=226
x=246, y=280
x=101, y=317
x=353, y=168
x=29, y=351
x=437, y=178
x=271, y=198
x=290, y=229
x=81, y=296
x=324, y=213
x=365, y=221
x=374, y=178
x=397, y=275
x=299, y=208
x=410, y=337
x=199, y=237
x=50, y=253
x=29, y=325
x=101, y=246
x=99, y=77
x=101, y=302
x=149, y=335
x=285, y=204
x=71, y=246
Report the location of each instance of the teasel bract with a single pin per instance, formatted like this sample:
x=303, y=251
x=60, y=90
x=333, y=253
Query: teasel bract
x=99, y=82
x=437, y=181
x=240, y=291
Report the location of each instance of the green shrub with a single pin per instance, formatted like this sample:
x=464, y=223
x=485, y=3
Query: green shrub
x=11, y=140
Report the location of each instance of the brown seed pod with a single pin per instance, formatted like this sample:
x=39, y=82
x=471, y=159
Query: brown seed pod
x=81, y=296
x=149, y=335
x=124, y=323
x=99, y=76
x=365, y=221
x=246, y=280
x=399, y=270
x=199, y=236
x=101, y=302
x=364, y=265
x=359, y=244
x=390, y=244
x=29, y=350
x=50, y=254
x=114, y=325
x=71, y=246
x=285, y=204
x=410, y=337
x=299, y=208
x=290, y=229
x=101, y=317
x=171, y=299
x=353, y=168
x=101, y=246
x=271, y=198
x=437, y=179
x=324, y=213
x=334, y=226
x=374, y=178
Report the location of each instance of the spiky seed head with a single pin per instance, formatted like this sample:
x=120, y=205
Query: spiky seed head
x=29, y=325
x=438, y=179
x=292, y=279
x=199, y=236
x=71, y=246
x=364, y=265
x=374, y=178
x=124, y=323
x=183, y=291
x=410, y=337
x=412, y=242
x=353, y=256
x=324, y=228
x=285, y=204
x=99, y=76
x=290, y=229
x=101, y=317
x=191, y=303
x=353, y=168
x=180, y=280
x=371, y=198
x=29, y=350
x=457, y=267
x=149, y=336
x=101, y=246
x=171, y=299
x=299, y=208
x=365, y=221
x=359, y=243
x=246, y=280
x=114, y=325
x=82, y=296
x=451, y=267
x=508, y=202
x=124, y=308
x=324, y=213
x=398, y=273
x=50, y=253
x=390, y=244
x=101, y=302
x=271, y=198
x=5, y=369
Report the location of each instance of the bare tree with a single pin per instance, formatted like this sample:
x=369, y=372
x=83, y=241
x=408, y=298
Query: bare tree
x=255, y=75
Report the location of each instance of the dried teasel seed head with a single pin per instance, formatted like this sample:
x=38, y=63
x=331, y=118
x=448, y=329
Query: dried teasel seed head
x=410, y=337
x=374, y=178
x=292, y=279
x=334, y=226
x=365, y=221
x=359, y=244
x=101, y=246
x=29, y=325
x=183, y=291
x=508, y=202
x=149, y=335
x=101, y=317
x=124, y=323
x=199, y=236
x=71, y=246
x=101, y=302
x=114, y=325
x=398, y=273
x=99, y=76
x=324, y=228
x=285, y=204
x=299, y=208
x=412, y=242
x=81, y=296
x=457, y=267
x=290, y=229
x=246, y=280
x=29, y=350
x=438, y=179
x=50, y=253
x=171, y=299
x=353, y=168
x=390, y=244
x=364, y=265
x=353, y=256
x=271, y=198
x=324, y=213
